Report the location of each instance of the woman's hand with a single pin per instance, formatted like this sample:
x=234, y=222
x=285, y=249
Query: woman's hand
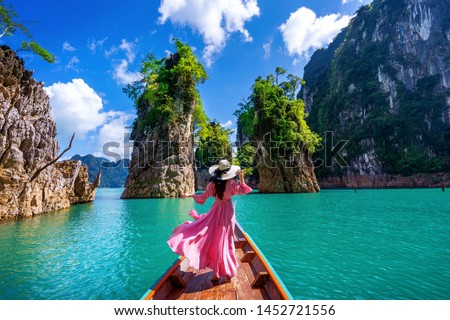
x=186, y=196
x=240, y=174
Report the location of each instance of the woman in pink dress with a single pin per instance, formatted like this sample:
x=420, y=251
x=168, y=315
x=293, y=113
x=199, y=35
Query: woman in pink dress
x=208, y=241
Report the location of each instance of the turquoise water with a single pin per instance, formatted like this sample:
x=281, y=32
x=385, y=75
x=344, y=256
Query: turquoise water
x=337, y=244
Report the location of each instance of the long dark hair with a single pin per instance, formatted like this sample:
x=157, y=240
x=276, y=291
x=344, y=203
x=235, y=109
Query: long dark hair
x=219, y=185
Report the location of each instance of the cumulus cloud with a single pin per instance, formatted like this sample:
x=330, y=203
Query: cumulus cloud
x=73, y=64
x=214, y=20
x=304, y=31
x=113, y=137
x=93, y=45
x=121, y=72
x=359, y=1
x=110, y=52
x=76, y=107
x=267, y=47
x=227, y=124
x=123, y=76
x=128, y=47
x=67, y=47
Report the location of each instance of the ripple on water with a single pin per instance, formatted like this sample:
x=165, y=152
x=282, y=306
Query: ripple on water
x=376, y=244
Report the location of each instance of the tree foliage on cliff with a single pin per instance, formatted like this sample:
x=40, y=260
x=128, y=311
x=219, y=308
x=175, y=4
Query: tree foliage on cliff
x=9, y=24
x=213, y=144
x=273, y=111
x=168, y=88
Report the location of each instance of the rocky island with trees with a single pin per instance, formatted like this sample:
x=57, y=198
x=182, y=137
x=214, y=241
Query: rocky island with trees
x=175, y=142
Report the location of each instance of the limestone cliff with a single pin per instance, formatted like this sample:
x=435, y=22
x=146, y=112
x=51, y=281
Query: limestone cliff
x=274, y=138
x=384, y=85
x=28, y=144
x=286, y=175
x=162, y=161
x=202, y=177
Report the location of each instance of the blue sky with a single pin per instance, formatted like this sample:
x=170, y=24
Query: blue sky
x=99, y=45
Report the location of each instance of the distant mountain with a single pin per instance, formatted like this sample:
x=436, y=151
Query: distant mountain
x=114, y=174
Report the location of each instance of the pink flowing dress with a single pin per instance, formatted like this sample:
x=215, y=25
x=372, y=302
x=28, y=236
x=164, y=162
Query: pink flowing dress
x=208, y=241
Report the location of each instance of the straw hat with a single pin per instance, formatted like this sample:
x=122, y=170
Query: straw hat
x=224, y=170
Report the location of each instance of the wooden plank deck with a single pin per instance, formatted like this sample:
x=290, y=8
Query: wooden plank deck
x=200, y=287
x=255, y=280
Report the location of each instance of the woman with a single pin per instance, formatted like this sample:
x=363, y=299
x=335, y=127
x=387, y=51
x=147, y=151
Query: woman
x=208, y=241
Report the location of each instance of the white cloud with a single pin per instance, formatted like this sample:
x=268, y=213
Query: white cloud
x=68, y=47
x=93, y=45
x=122, y=75
x=111, y=51
x=215, y=20
x=359, y=1
x=73, y=64
x=304, y=31
x=128, y=47
x=267, y=49
x=227, y=124
x=76, y=107
x=120, y=66
x=113, y=137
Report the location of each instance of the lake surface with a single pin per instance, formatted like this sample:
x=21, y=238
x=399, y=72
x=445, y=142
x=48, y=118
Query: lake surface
x=337, y=244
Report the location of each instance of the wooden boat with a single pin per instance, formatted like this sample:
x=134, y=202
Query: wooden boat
x=255, y=278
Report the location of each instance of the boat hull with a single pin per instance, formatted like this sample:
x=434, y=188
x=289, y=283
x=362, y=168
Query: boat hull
x=255, y=278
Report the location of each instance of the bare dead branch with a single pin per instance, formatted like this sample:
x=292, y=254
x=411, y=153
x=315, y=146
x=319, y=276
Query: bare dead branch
x=96, y=182
x=38, y=171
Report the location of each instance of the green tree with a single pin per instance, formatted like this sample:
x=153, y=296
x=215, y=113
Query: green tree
x=279, y=72
x=168, y=88
x=246, y=158
x=273, y=109
x=9, y=24
x=278, y=110
x=246, y=117
x=213, y=144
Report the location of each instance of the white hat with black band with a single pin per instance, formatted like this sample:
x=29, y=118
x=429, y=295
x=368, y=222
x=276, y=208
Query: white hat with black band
x=223, y=170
